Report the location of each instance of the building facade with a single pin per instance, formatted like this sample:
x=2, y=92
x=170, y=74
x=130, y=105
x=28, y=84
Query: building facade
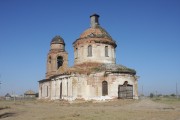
x=95, y=74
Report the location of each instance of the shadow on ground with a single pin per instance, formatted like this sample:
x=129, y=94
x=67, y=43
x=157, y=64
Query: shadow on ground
x=8, y=114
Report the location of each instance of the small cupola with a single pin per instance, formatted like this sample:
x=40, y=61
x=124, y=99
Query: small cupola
x=57, y=43
x=57, y=40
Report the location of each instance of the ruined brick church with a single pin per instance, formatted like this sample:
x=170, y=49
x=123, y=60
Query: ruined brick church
x=95, y=74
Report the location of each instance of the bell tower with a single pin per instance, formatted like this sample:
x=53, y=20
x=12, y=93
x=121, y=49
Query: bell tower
x=57, y=59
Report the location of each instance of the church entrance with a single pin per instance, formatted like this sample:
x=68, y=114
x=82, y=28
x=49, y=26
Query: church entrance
x=125, y=91
x=104, y=88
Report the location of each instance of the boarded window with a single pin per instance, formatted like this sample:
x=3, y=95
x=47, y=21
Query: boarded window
x=125, y=91
x=104, y=88
x=89, y=51
x=59, y=61
x=106, y=51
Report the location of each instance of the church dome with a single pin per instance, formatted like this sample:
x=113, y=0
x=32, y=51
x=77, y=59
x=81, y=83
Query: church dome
x=57, y=40
x=95, y=32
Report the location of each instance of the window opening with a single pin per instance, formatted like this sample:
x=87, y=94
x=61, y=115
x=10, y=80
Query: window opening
x=76, y=53
x=50, y=59
x=89, y=51
x=59, y=61
x=104, y=88
x=106, y=51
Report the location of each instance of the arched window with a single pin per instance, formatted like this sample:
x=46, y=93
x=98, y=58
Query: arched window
x=76, y=53
x=106, y=51
x=61, y=90
x=59, y=61
x=89, y=51
x=104, y=88
x=49, y=60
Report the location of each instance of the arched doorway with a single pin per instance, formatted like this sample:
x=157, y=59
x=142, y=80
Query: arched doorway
x=125, y=91
x=104, y=88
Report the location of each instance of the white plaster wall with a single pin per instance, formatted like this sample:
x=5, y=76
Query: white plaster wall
x=40, y=92
x=120, y=79
x=67, y=88
x=86, y=87
x=44, y=86
x=95, y=91
x=98, y=54
x=70, y=88
x=74, y=87
x=53, y=89
x=57, y=46
x=58, y=83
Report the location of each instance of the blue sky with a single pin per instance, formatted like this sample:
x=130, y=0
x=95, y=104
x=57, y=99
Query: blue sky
x=147, y=33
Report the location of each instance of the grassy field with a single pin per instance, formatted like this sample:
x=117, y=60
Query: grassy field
x=144, y=109
x=167, y=100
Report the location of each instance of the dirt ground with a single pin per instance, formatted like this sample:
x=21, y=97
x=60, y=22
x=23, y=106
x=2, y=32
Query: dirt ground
x=144, y=109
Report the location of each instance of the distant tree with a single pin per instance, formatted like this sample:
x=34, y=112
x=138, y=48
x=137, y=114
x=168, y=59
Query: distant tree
x=173, y=95
x=151, y=95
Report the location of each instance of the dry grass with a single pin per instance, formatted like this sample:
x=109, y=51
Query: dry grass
x=113, y=110
x=167, y=100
